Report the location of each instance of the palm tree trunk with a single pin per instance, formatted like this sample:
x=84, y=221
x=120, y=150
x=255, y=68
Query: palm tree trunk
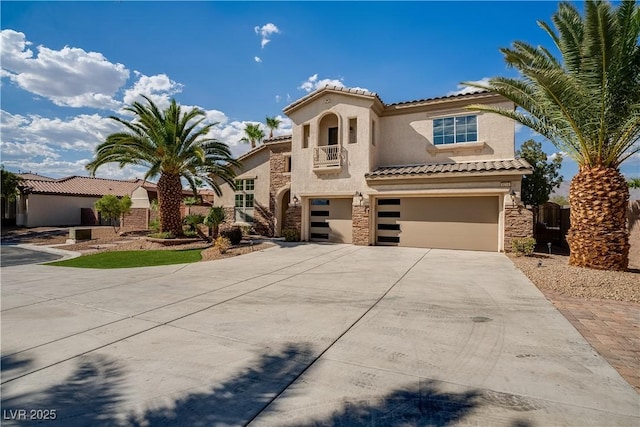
x=598, y=237
x=169, y=199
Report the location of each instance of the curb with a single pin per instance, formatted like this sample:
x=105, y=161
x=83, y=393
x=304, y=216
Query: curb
x=65, y=254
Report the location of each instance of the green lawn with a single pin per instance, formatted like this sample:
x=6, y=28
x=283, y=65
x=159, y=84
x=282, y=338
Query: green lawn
x=130, y=259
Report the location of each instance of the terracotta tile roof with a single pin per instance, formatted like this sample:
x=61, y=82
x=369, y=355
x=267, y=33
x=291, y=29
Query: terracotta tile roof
x=420, y=101
x=280, y=138
x=84, y=186
x=516, y=165
x=375, y=95
x=35, y=176
x=333, y=89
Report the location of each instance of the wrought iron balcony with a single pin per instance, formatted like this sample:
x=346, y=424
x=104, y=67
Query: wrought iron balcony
x=327, y=156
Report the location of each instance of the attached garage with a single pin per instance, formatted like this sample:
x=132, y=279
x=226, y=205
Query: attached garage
x=330, y=220
x=469, y=223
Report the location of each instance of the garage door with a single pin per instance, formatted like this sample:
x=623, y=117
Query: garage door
x=439, y=222
x=330, y=220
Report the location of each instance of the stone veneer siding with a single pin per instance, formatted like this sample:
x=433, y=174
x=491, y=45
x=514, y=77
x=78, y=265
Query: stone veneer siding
x=518, y=222
x=278, y=179
x=294, y=218
x=360, y=229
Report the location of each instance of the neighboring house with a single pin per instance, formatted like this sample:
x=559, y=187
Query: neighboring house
x=47, y=201
x=424, y=173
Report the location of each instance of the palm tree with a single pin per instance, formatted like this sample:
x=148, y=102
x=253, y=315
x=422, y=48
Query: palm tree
x=213, y=220
x=273, y=123
x=172, y=144
x=588, y=105
x=634, y=183
x=253, y=134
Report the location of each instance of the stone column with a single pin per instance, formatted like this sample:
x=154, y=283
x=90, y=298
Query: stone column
x=518, y=222
x=294, y=218
x=360, y=227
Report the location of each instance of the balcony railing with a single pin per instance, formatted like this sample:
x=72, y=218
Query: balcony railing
x=327, y=156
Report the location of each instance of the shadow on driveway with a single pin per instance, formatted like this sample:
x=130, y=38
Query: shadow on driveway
x=90, y=395
x=12, y=255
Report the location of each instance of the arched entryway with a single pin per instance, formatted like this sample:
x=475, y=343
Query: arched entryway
x=281, y=209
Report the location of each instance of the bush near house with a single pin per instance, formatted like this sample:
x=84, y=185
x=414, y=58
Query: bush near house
x=234, y=234
x=223, y=244
x=291, y=235
x=523, y=245
x=112, y=208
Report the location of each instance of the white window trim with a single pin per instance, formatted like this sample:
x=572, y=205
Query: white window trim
x=433, y=119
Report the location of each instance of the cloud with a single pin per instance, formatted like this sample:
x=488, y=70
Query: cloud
x=265, y=32
x=278, y=98
x=462, y=89
x=80, y=133
x=519, y=127
x=257, y=59
x=68, y=77
x=160, y=88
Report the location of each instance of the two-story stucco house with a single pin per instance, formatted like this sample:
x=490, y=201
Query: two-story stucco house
x=424, y=173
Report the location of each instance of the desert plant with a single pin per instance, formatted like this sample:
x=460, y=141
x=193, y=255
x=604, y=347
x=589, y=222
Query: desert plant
x=162, y=235
x=273, y=123
x=253, y=134
x=190, y=201
x=9, y=187
x=154, y=225
x=523, y=246
x=190, y=233
x=173, y=144
x=234, y=234
x=291, y=235
x=112, y=208
x=213, y=220
x=192, y=221
x=222, y=244
x=588, y=104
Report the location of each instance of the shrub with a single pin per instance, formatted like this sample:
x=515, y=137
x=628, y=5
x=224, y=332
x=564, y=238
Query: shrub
x=154, y=225
x=247, y=230
x=291, y=235
x=190, y=233
x=223, y=244
x=523, y=245
x=193, y=220
x=213, y=220
x=234, y=234
x=112, y=208
x=163, y=235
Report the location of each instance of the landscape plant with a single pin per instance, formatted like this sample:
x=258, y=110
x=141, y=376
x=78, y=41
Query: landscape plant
x=9, y=186
x=214, y=219
x=291, y=235
x=523, y=245
x=172, y=144
x=234, y=234
x=222, y=244
x=252, y=134
x=587, y=103
x=112, y=208
x=273, y=123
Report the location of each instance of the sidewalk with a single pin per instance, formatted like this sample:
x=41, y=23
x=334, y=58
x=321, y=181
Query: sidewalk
x=611, y=327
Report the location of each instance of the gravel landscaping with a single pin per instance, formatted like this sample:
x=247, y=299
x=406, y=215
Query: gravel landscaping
x=553, y=272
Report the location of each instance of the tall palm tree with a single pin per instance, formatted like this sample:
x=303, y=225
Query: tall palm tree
x=273, y=123
x=253, y=134
x=588, y=104
x=172, y=144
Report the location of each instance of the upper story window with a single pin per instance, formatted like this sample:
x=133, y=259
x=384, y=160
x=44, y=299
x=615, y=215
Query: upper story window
x=353, y=131
x=453, y=130
x=306, y=134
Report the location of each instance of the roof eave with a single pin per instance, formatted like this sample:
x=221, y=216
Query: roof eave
x=440, y=175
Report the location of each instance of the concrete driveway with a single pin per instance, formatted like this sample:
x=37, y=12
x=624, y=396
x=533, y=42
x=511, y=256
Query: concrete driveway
x=303, y=335
x=11, y=255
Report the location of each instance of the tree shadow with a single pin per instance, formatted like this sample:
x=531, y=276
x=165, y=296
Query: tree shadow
x=87, y=397
x=235, y=401
x=92, y=394
x=421, y=404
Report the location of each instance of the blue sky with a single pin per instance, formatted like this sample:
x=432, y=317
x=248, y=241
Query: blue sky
x=67, y=66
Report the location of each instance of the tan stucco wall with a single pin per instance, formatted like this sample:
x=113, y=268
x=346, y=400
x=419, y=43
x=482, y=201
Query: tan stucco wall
x=407, y=138
x=357, y=160
x=256, y=167
x=50, y=210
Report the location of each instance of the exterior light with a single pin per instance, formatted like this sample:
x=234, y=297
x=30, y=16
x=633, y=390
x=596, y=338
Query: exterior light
x=296, y=200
